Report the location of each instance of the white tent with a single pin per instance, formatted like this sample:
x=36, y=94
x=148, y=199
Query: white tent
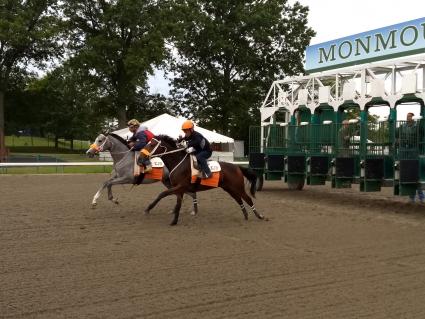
x=171, y=126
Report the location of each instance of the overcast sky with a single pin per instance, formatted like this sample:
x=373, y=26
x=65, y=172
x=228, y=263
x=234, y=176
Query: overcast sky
x=333, y=19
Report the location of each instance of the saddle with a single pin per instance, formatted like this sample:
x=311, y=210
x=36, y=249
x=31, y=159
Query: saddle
x=155, y=174
x=197, y=174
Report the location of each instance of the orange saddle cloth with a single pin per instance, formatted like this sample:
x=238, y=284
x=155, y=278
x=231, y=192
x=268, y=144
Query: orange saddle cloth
x=215, y=177
x=212, y=181
x=155, y=173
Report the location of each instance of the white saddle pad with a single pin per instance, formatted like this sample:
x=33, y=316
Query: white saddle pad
x=157, y=162
x=214, y=166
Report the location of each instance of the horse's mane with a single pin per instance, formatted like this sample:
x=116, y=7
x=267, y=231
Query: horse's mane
x=119, y=138
x=167, y=139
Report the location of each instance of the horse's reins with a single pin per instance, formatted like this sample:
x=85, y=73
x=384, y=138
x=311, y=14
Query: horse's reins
x=147, y=153
x=169, y=175
x=165, y=153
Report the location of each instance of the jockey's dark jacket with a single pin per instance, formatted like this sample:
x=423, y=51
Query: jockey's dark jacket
x=140, y=138
x=198, y=142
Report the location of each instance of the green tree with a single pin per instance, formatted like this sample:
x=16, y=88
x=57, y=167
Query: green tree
x=229, y=52
x=354, y=113
x=69, y=106
x=29, y=32
x=118, y=43
x=22, y=112
x=151, y=105
x=59, y=104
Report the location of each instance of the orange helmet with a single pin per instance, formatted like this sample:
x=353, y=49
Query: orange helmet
x=188, y=124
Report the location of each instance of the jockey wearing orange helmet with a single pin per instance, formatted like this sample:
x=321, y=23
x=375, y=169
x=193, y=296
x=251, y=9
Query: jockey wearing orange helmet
x=198, y=145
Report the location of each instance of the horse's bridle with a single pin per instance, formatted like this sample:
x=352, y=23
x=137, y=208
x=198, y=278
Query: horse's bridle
x=99, y=148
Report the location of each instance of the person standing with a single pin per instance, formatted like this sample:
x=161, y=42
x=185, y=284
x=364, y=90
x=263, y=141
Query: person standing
x=344, y=136
x=407, y=137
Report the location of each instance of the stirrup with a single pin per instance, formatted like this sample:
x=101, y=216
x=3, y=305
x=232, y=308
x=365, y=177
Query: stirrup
x=205, y=175
x=148, y=168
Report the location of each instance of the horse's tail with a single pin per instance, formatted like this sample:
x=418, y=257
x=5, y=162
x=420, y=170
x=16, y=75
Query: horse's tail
x=251, y=176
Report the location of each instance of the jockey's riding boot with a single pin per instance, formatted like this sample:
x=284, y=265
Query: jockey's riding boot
x=147, y=166
x=206, y=175
x=140, y=161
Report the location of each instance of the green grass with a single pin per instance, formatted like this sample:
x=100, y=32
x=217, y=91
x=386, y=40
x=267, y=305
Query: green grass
x=56, y=170
x=42, y=149
x=57, y=157
x=67, y=157
x=25, y=143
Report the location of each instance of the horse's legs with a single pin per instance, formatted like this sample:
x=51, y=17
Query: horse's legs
x=195, y=204
x=165, y=193
x=249, y=201
x=110, y=196
x=238, y=199
x=116, y=181
x=177, y=209
x=194, y=211
x=97, y=195
x=237, y=191
x=108, y=184
x=105, y=184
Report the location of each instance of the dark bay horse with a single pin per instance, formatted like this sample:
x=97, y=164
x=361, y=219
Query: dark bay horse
x=123, y=170
x=178, y=163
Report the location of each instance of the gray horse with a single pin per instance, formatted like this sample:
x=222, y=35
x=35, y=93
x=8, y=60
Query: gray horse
x=123, y=167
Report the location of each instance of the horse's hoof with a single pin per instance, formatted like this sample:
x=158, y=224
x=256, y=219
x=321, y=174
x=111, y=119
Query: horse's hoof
x=146, y=211
x=93, y=205
x=173, y=223
x=115, y=201
x=193, y=213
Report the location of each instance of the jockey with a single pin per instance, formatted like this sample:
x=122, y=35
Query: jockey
x=198, y=145
x=141, y=137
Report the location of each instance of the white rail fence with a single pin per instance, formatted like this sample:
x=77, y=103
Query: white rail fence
x=58, y=165
x=61, y=165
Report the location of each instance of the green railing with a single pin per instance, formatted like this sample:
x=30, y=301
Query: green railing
x=409, y=139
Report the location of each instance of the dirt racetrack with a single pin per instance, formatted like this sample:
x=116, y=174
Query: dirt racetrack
x=323, y=253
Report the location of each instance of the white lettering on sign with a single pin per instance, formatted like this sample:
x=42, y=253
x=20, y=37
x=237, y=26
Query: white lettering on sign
x=402, y=39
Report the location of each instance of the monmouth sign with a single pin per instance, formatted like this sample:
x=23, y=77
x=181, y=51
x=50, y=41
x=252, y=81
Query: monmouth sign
x=394, y=41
